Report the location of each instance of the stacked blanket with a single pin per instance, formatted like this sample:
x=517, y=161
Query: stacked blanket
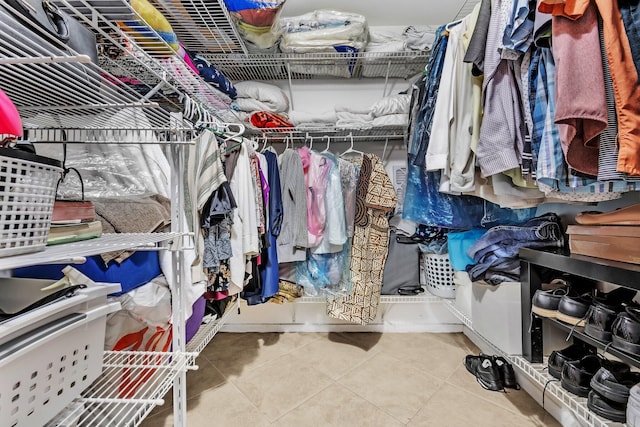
x=325, y=31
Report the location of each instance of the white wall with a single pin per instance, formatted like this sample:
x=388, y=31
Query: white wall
x=385, y=12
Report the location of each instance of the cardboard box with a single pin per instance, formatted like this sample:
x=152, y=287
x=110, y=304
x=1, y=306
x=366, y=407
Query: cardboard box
x=612, y=242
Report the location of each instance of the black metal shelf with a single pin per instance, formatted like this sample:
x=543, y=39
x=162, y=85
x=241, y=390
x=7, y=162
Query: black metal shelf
x=533, y=261
x=620, y=273
x=582, y=336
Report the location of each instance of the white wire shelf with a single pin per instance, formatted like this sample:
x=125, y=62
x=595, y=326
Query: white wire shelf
x=537, y=374
x=577, y=405
x=458, y=314
x=135, y=39
x=207, y=331
x=175, y=135
x=54, y=87
x=131, y=385
x=74, y=252
x=424, y=298
x=202, y=25
x=326, y=65
x=340, y=134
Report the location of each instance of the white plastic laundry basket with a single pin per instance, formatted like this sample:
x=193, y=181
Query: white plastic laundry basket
x=437, y=274
x=27, y=192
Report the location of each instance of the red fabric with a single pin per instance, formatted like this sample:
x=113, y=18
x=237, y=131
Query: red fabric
x=266, y=119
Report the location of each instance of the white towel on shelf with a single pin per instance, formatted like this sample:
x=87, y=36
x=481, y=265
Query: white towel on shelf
x=307, y=119
x=347, y=120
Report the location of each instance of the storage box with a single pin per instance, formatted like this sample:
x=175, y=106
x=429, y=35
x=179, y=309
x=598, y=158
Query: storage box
x=463, y=293
x=496, y=314
x=50, y=355
x=612, y=242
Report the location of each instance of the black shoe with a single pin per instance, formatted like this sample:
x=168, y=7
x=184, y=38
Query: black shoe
x=614, y=386
x=507, y=374
x=577, y=375
x=545, y=303
x=610, y=410
x=626, y=331
x=572, y=353
x=604, y=311
x=485, y=370
x=574, y=309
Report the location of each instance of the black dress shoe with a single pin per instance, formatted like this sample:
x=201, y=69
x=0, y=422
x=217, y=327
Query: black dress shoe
x=610, y=410
x=577, y=375
x=614, y=385
x=558, y=358
x=573, y=309
x=507, y=374
x=545, y=303
x=604, y=310
x=626, y=331
x=485, y=370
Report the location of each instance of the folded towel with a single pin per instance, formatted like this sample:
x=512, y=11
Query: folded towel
x=299, y=118
x=347, y=120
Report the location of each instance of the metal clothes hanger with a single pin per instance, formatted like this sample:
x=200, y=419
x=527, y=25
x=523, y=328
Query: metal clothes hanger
x=351, y=150
x=326, y=150
x=310, y=139
x=264, y=143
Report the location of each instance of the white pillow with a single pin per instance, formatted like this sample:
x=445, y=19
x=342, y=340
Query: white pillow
x=394, y=104
x=269, y=97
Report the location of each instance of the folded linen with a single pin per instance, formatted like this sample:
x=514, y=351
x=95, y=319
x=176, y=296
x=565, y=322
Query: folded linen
x=347, y=120
x=299, y=118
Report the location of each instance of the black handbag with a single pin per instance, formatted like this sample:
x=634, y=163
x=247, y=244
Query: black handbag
x=45, y=18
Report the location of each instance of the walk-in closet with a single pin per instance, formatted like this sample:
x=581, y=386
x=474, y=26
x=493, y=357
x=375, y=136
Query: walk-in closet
x=293, y=213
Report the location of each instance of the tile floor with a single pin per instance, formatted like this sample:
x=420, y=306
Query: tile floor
x=344, y=379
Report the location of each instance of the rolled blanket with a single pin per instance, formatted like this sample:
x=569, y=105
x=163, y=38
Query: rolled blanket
x=266, y=119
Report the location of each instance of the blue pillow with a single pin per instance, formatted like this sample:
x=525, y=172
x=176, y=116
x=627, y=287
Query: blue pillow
x=138, y=269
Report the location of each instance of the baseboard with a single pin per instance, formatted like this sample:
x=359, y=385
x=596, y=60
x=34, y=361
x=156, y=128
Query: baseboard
x=389, y=328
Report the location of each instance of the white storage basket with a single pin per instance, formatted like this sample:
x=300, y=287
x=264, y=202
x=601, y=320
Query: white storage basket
x=45, y=369
x=27, y=192
x=437, y=275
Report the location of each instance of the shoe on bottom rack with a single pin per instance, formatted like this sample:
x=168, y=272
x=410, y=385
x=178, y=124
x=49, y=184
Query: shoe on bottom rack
x=485, y=370
x=558, y=358
x=607, y=409
x=577, y=375
x=613, y=385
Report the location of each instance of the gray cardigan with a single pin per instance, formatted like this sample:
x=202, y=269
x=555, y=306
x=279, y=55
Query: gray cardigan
x=293, y=239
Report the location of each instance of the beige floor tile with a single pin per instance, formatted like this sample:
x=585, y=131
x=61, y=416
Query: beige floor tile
x=435, y=354
x=232, y=354
x=205, y=377
x=392, y=384
x=220, y=406
x=368, y=341
x=334, y=356
x=337, y=406
x=513, y=400
x=278, y=386
x=453, y=407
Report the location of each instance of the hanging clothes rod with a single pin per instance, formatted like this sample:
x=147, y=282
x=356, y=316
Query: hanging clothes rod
x=336, y=135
